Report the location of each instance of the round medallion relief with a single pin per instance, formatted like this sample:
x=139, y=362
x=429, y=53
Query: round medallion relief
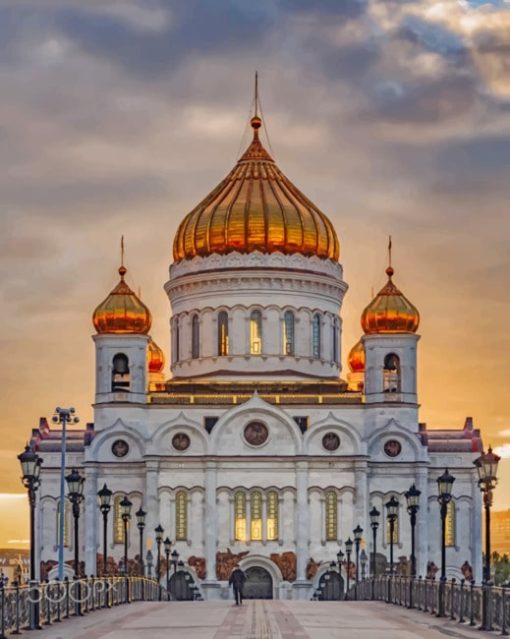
x=181, y=441
x=392, y=448
x=256, y=433
x=331, y=441
x=120, y=448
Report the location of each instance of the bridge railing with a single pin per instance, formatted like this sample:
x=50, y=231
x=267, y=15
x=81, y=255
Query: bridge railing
x=30, y=606
x=486, y=606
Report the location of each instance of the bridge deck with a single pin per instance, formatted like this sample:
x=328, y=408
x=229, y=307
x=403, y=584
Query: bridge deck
x=259, y=620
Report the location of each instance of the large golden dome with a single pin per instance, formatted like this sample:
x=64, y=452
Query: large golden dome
x=390, y=311
x=122, y=312
x=256, y=208
x=155, y=357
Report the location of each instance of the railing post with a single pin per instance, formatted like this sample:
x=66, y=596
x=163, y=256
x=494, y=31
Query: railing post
x=67, y=587
x=452, y=600
x=16, y=590
x=46, y=589
x=472, y=603
x=503, y=611
x=2, y=610
x=486, y=607
x=461, y=601
x=34, y=599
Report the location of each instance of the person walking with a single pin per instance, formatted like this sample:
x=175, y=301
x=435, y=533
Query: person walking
x=237, y=579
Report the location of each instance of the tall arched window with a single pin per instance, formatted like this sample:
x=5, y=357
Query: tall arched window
x=223, y=333
x=120, y=373
x=331, y=516
x=391, y=374
x=256, y=333
x=195, y=337
x=256, y=516
x=334, y=341
x=316, y=336
x=118, y=524
x=240, y=516
x=67, y=516
x=181, y=516
x=272, y=516
x=450, y=522
x=288, y=333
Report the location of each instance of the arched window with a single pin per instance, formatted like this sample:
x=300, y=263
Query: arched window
x=334, y=341
x=256, y=516
x=272, y=516
x=195, y=337
x=255, y=333
x=451, y=522
x=288, y=333
x=118, y=524
x=67, y=516
x=223, y=333
x=331, y=516
x=181, y=516
x=316, y=336
x=240, y=516
x=391, y=374
x=120, y=373
x=177, y=338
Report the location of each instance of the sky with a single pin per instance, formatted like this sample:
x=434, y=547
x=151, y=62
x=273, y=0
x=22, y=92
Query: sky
x=116, y=118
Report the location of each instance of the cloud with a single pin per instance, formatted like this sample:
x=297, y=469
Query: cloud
x=503, y=451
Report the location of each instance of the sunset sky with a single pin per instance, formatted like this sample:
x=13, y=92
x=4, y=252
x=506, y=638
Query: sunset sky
x=116, y=118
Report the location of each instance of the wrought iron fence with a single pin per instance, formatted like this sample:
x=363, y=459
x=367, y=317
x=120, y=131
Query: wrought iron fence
x=41, y=604
x=485, y=606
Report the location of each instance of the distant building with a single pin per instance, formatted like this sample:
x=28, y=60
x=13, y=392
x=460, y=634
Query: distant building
x=14, y=564
x=500, y=531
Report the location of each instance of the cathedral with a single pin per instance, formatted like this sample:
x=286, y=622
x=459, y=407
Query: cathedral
x=251, y=446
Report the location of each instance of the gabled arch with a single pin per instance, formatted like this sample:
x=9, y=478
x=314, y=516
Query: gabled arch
x=345, y=429
x=118, y=430
x=161, y=438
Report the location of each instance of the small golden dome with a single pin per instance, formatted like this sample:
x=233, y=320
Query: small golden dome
x=122, y=312
x=356, y=358
x=256, y=208
x=390, y=311
x=155, y=357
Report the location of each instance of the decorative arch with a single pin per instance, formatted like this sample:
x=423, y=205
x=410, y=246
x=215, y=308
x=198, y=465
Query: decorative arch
x=343, y=428
x=162, y=436
x=100, y=448
x=252, y=561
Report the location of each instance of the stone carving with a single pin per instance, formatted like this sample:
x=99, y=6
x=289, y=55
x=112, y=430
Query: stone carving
x=120, y=448
x=180, y=441
x=312, y=568
x=467, y=571
x=431, y=570
x=287, y=563
x=392, y=448
x=225, y=562
x=256, y=433
x=198, y=563
x=331, y=441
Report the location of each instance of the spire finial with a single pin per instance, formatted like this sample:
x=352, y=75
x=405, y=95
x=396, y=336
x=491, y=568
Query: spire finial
x=389, y=270
x=256, y=122
x=256, y=93
x=122, y=268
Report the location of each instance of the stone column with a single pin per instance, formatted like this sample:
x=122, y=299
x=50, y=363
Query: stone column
x=211, y=585
x=89, y=521
x=151, y=505
x=476, y=528
x=422, y=522
x=302, y=529
x=361, y=503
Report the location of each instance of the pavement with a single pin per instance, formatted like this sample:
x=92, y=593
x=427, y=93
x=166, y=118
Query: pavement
x=259, y=620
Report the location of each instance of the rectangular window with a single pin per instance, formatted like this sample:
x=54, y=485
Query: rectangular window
x=272, y=516
x=256, y=516
x=181, y=516
x=67, y=515
x=240, y=516
x=450, y=523
x=331, y=516
x=118, y=524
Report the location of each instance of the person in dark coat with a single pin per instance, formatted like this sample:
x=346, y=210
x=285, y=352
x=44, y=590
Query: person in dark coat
x=237, y=579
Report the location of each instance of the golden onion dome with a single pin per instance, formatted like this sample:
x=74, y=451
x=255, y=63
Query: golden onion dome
x=155, y=357
x=356, y=358
x=390, y=311
x=256, y=208
x=122, y=312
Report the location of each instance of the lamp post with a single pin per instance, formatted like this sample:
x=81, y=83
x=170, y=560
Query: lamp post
x=31, y=470
x=364, y=561
x=392, y=506
x=358, y=534
x=149, y=560
x=348, y=549
x=125, y=513
x=75, y=493
x=444, y=487
x=413, y=506
x=140, y=522
x=63, y=416
x=105, y=497
x=487, y=467
x=374, y=524
x=167, y=546
x=159, y=530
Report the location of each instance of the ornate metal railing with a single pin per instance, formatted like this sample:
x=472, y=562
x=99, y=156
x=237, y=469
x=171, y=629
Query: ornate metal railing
x=36, y=604
x=486, y=606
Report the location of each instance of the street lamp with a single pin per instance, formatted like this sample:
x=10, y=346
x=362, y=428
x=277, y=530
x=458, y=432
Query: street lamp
x=167, y=545
x=105, y=497
x=413, y=506
x=175, y=560
x=125, y=513
x=487, y=467
x=374, y=524
x=140, y=522
x=31, y=470
x=348, y=549
x=159, y=538
x=444, y=487
x=149, y=559
x=363, y=560
x=63, y=416
x=75, y=493
x=358, y=534
x=392, y=506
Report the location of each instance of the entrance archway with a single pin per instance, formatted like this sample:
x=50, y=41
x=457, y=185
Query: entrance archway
x=180, y=587
x=331, y=586
x=258, y=584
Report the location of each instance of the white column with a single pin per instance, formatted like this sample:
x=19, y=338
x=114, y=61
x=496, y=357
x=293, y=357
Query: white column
x=151, y=506
x=302, y=533
x=89, y=528
x=422, y=523
x=211, y=522
x=361, y=504
x=476, y=526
